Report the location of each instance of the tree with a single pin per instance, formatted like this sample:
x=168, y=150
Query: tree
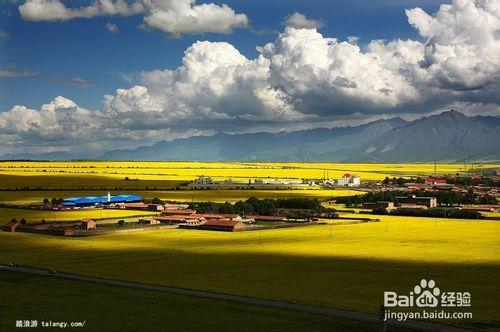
x=46, y=201
x=13, y=220
x=156, y=200
x=43, y=221
x=23, y=221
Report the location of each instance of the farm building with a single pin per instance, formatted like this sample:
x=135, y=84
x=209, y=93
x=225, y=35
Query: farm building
x=177, y=212
x=267, y=218
x=412, y=206
x=151, y=221
x=169, y=206
x=379, y=204
x=135, y=206
x=430, y=202
x=223, y=225
x=231, y=216
x=94, y=200
x=88, y=224
x=48, y=229
x=435, y=180
x=11, y=227
x=59, y=231
x=349, y=180
x=179, y=219
x=155, y=207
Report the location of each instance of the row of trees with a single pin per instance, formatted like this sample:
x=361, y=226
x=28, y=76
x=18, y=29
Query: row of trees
x=432, y=213
x=444, y=197
x=53, y=201
x=259, y=206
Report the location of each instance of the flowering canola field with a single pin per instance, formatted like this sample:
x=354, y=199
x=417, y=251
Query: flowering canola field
x=347, y=266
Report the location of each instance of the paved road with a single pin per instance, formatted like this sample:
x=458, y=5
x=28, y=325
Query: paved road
x=426, y=326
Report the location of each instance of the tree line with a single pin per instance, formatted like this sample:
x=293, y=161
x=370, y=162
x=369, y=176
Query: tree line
x=265, y=206
x=444, y=197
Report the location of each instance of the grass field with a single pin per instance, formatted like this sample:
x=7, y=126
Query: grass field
x=109, y=308
x=36, y=216
x=350, y=269
x=170, y=174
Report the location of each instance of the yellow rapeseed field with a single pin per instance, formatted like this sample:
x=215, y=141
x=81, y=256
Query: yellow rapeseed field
x=36, y=216
x=164, y=173
x=348, y=266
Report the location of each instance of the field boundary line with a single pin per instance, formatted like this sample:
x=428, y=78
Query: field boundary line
x=418, y=325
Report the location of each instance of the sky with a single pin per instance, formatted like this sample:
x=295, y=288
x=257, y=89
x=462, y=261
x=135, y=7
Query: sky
x=94, y=75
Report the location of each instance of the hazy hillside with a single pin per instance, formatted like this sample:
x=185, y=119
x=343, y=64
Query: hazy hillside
x=448, y=136
x=442, y=137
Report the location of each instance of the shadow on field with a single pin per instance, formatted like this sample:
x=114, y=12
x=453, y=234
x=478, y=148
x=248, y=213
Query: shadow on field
x=345, y=283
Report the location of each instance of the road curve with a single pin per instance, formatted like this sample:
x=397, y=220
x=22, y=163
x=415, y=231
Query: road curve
x=417, y=325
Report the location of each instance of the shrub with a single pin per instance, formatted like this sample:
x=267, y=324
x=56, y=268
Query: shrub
x=380, y=211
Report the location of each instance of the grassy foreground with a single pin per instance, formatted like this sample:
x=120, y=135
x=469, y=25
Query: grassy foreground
x=349, y=269
x=109, y=308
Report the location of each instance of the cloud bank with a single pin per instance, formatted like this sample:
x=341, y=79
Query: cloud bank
x=302, y=78
x=174, y=17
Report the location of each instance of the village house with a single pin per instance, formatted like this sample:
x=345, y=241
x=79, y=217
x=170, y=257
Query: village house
x=88, y=224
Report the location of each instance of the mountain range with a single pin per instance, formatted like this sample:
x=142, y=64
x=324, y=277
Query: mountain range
x=449, y=136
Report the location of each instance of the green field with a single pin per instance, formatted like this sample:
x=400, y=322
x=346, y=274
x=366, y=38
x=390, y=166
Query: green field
x=110, y=308
x=350, y=269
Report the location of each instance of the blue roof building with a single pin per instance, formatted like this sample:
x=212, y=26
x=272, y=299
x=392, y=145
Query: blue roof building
x=92, y=200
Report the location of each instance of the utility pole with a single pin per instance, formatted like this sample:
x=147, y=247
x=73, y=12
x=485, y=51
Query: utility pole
x=465, y=157
x=435, y=167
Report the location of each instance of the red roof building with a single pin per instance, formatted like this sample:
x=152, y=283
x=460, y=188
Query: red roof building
x=223, y=225
x=170, y=212
x=137, y=206
x=435, y=180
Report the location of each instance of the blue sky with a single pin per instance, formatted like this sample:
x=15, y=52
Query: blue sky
x=85, y=75
x=61, y=51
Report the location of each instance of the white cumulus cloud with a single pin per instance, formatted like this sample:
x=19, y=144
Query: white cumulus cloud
x=301, y=79
x=174, y=17
x=300, y=21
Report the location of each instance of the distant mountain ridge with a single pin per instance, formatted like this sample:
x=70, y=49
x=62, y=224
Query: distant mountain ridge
x=449, y=136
